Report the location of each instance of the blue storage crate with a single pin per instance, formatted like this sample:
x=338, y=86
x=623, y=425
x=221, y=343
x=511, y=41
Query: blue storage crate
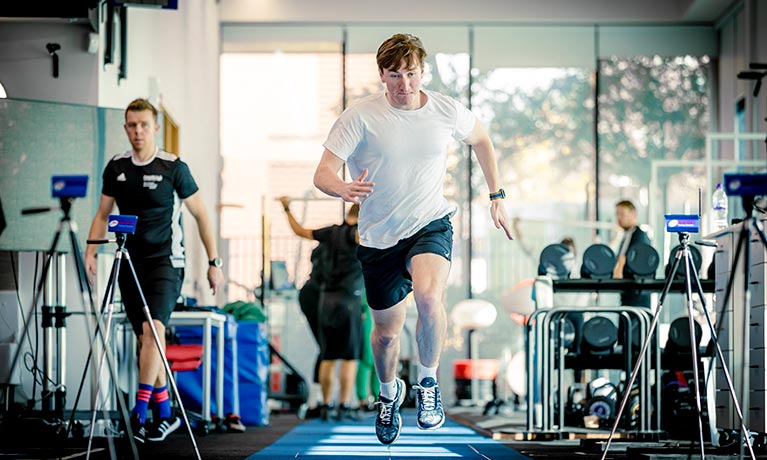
x=252, y=367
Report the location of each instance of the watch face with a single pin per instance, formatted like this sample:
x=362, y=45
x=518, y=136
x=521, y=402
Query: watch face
x=215, y=262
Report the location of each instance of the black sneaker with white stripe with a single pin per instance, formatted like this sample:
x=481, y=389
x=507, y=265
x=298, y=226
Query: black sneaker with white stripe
x=166, y=426
x=138, y=428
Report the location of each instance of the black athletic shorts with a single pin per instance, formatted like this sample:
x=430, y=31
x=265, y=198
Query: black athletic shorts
x=161, y=285
x=309, y=301
x=387, y=280
x=340, y=321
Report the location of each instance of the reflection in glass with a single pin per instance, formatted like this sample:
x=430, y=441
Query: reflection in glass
x=541, y=123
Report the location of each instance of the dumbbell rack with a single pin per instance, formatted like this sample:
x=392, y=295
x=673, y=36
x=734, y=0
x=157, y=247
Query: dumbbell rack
x=546, y=354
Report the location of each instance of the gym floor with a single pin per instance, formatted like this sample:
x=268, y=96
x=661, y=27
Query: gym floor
x=483, y=437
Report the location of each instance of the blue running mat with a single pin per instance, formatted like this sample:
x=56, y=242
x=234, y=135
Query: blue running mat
x=357, y=439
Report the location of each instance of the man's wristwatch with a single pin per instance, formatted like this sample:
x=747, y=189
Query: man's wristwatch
x=217, y=262
x=499, y=195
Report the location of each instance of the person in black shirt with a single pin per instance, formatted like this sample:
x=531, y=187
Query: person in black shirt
x=309, y=294
x=340, y=306
x=309, y=297
x=150, y=183
x=626, y=217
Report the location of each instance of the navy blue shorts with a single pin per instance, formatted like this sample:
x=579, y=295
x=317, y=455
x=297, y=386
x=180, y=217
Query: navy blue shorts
x=387, y=280
x=161, y=285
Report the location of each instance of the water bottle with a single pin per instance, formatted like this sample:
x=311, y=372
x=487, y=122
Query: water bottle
x=719, y=208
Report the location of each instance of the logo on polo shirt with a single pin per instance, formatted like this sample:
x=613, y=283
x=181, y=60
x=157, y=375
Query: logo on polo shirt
x=151, y=181
x=121, y=178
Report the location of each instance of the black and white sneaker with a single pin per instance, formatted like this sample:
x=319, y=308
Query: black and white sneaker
x=166, y=426
x=388, y=419
x=431, y=415
x=233, y=423
x=139, y=429
x=347, y=412
x=327, y=412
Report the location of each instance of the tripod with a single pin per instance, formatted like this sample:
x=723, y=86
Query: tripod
x=86, y=297
x=690, y=275
x=749, y=222
x=122, y=253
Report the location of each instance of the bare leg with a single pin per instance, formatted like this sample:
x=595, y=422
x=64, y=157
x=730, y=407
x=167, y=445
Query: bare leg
x=385, y=340
x=151, y=369
x=430, y=272
x=327, y=369
x=348, y=378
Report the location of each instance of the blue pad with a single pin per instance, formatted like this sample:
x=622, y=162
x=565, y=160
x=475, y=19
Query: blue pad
x=325, y=440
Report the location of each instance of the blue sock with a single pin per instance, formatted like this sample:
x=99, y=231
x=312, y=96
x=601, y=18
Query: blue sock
x=161, y=400
x=142, y=401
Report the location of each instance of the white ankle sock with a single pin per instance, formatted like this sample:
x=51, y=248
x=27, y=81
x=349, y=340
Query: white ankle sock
x=389, y=389
x=424, y=372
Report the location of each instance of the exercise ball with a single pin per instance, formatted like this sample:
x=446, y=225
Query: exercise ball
x=473, y=314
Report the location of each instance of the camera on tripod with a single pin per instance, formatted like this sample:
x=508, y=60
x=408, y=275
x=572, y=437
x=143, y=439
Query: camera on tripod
x=117, y=223
x=66, y=189
x=747, y=187
x=682, y=223
x=69, y=186
x=745, y=184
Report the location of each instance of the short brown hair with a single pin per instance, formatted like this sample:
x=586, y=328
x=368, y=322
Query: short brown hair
x=626, y=204
x=139, y=105
x=569, y=242
x=399, y=48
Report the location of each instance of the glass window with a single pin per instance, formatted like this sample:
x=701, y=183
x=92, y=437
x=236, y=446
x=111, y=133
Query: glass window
x=278, y=101
x=653, y=120
x=540, y=121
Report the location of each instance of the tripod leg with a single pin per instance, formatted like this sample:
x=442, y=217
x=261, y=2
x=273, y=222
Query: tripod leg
x=169, y=373
x=87, y=299
x=108, y=295
x=642, y=352
x=107, y=306
x=744, y=239
x=693, y=348
x=720, y=356
x=107, y=330
x=760, y=231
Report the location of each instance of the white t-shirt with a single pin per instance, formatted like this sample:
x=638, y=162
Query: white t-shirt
x=405, y=152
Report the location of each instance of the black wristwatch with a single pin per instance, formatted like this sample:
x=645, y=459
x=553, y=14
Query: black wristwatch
x=217, y=262
x=499, y=195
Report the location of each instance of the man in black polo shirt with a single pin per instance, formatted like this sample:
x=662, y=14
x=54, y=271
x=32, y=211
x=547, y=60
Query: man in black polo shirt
x=150, y=183
x=626, y=217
